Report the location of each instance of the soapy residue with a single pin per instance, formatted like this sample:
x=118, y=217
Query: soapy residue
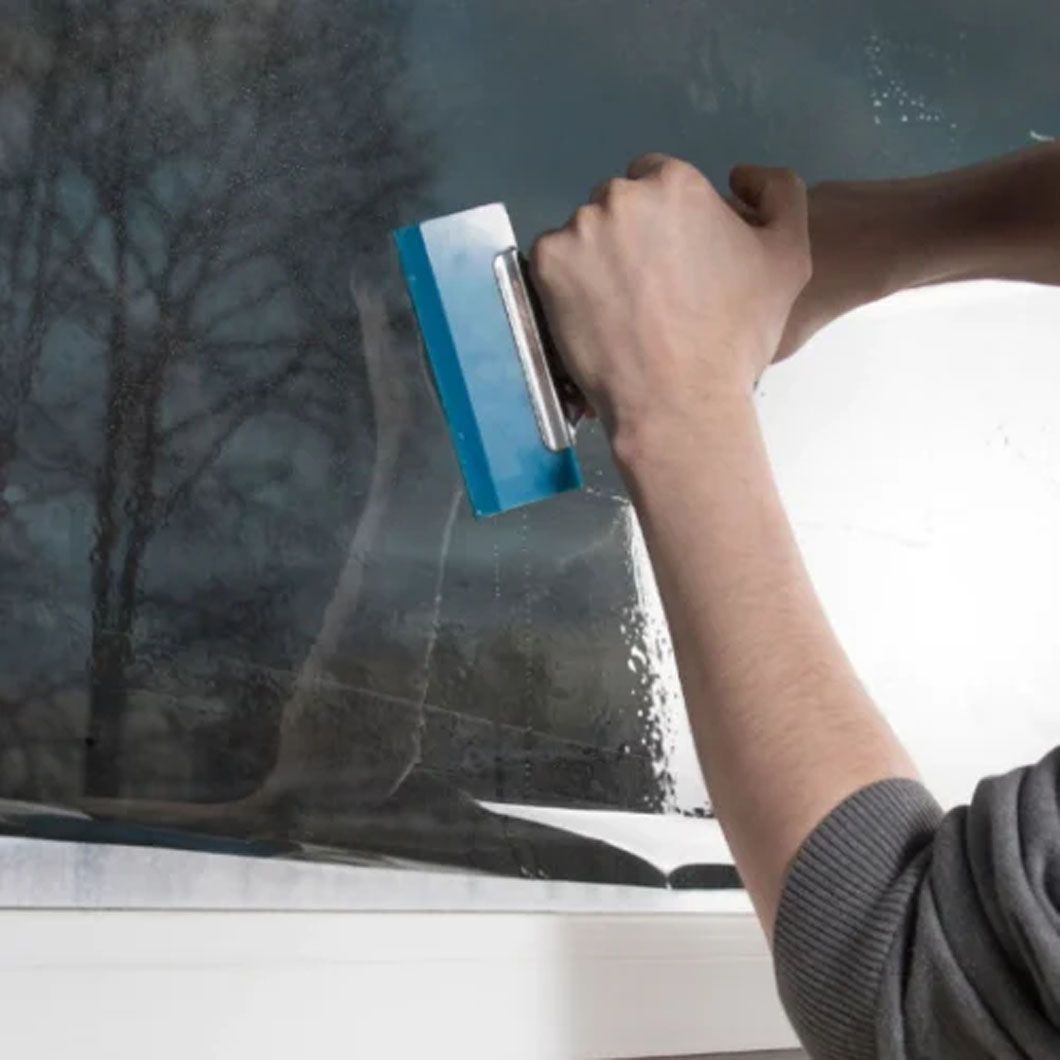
x=891, y=99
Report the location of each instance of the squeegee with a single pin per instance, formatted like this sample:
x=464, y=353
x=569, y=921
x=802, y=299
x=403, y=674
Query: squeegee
x=510, y=409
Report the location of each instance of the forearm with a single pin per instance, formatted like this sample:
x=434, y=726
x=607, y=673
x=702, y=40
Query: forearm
x=870, y=239
x=998, y=220
x=783, y=728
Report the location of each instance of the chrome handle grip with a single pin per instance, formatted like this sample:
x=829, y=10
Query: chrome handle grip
x=548, y=409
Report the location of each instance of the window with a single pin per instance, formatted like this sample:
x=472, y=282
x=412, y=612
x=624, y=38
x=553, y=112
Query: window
x=243, y=603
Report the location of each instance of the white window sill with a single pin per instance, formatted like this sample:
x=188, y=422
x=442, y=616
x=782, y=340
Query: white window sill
x=124, y=952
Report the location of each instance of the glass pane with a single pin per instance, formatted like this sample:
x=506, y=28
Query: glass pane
x=243, y=601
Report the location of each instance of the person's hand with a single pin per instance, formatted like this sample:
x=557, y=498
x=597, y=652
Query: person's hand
x=661, y=297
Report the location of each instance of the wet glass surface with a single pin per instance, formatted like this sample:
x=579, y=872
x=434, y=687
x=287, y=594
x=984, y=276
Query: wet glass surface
x=242, y=599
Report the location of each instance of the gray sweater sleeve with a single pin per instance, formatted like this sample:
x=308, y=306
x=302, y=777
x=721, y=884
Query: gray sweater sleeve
x=906, y=933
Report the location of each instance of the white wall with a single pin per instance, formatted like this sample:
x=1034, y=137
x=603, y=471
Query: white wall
x=917, y=445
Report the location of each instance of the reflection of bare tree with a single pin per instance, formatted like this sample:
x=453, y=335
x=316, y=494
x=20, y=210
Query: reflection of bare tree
x=170, y=174
x=185, y=188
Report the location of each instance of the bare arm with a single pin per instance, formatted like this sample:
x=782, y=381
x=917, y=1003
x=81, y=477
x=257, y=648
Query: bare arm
x=997, y=220
x=783, y=727
x=897, y=930
x=667, y=306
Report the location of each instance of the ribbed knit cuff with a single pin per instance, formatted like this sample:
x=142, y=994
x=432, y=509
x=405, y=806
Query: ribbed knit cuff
x=844, y=900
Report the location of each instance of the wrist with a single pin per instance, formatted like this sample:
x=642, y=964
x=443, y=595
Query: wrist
x=863, y=241
x=672, y=438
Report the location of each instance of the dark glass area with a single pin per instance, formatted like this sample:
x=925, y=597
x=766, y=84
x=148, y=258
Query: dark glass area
x=243, y=603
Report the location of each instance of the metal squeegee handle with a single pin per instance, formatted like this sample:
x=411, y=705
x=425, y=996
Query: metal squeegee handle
x=555, y=399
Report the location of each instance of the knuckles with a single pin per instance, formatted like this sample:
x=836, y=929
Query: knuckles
x=683, y=176
x=799, y=263
x=670, y=171
x=789, y=179
x=544, y=255
x=583, y=218
x=552, y=256
x=616, y=190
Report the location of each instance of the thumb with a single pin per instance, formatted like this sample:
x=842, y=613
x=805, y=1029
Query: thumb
x=777, y=196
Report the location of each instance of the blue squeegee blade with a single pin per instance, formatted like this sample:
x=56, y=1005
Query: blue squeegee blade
x=445, y=367
x=448, y=267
